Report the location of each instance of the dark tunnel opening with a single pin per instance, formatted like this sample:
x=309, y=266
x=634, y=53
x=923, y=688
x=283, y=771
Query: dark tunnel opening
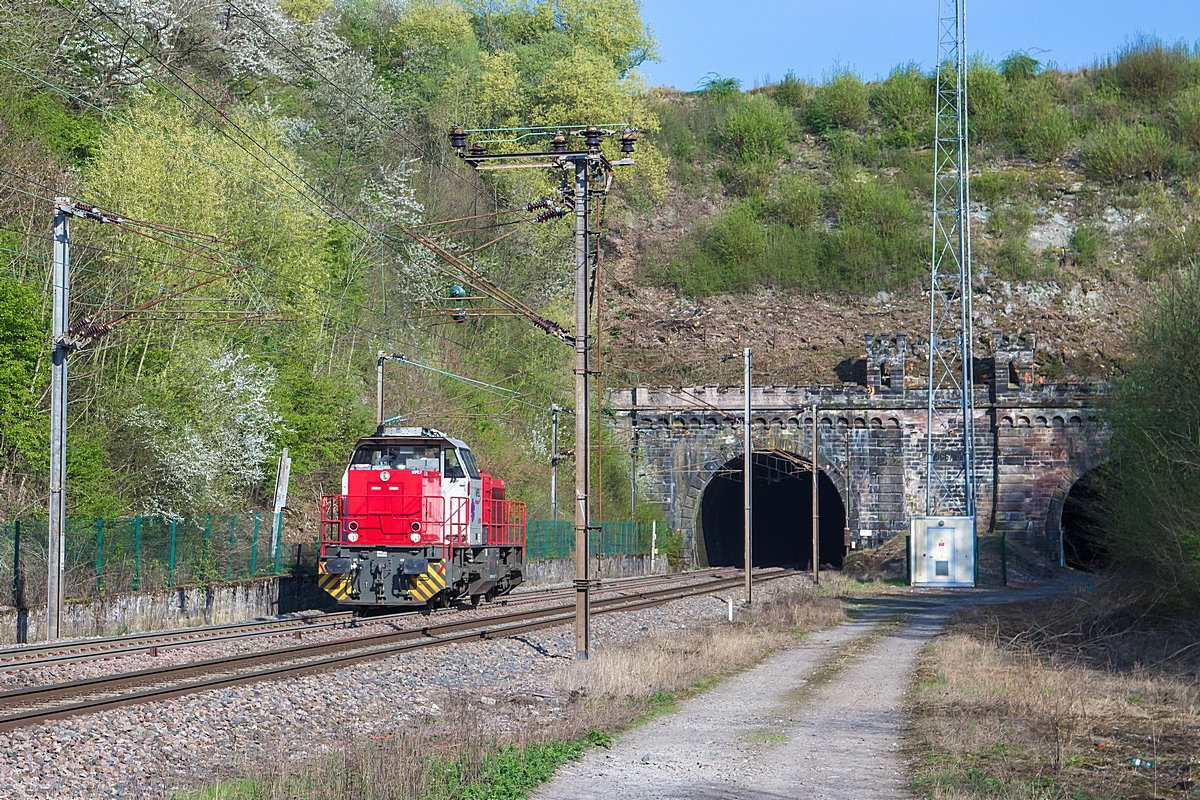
x=1083, y=516
x=782, y=516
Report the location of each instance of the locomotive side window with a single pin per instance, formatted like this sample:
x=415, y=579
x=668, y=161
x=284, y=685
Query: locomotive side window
x=396, y=456
x=468, y=459
x=453, y=467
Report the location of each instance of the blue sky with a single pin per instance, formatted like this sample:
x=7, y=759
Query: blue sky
x=750, y=39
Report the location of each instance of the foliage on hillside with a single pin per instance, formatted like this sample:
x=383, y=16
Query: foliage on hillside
x=828, y=186
x=1152, y=490
x=280, y=141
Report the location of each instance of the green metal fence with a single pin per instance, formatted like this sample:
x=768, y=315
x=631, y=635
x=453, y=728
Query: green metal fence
x=109, y=556
x=112, y=556
x=555, y=538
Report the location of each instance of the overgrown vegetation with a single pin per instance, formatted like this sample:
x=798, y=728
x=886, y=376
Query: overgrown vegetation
x=862, y=153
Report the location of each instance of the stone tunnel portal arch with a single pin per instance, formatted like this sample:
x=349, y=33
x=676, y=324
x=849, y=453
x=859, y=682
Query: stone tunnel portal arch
x=782, y=500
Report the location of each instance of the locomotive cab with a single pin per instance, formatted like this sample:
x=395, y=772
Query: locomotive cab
x=417, y=524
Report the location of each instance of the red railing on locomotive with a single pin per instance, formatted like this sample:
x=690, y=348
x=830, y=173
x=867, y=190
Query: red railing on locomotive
x=510, y=530
x=400, y=507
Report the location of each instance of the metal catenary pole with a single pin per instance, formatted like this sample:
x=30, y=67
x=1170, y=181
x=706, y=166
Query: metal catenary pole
x=816, y=513
x=55, y=555
x=748, y=487
x=583, y=581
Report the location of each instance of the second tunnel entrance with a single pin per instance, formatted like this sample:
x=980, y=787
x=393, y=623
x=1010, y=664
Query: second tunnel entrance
x=782, y=499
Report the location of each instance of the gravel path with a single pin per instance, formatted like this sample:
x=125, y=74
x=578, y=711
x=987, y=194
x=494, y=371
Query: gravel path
x=822, y=720
x=144, y=751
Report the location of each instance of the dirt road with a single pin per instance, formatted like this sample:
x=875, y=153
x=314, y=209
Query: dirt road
x=821, y=720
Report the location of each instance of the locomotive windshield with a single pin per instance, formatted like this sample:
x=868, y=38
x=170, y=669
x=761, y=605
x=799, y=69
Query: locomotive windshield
x=468, y=459
x=397, y=456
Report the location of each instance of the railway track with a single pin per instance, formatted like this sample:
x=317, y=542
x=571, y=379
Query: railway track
x=38, y=656
x=36, y=704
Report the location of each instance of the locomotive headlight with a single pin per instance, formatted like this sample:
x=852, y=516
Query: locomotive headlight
x=352, y=537
x=352, y=525
x=415, y=537
x=414, y=526
x=383, y=476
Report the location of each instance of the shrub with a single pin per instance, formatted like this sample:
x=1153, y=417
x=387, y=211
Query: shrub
x=799, y=202
x=904, y=101
x=1037, y=125
x=1146, y=69
x=714, y=87
x=792, y=92
x=987, y=100
x=1085, y=241
x=1120, y=152
x=991, y=187
x=883, y=206
x=1020, y=66
x=757, y=131
x=737, y=237
x=840, y=103
x=1185, y=113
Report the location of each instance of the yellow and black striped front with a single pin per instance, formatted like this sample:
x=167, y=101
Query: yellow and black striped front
x=339, y=587
x=427, y=584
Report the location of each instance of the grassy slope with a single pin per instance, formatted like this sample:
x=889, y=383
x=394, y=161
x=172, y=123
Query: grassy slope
x=1083, y=185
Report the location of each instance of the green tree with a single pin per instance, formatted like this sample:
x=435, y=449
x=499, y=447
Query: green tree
x=1153, y=509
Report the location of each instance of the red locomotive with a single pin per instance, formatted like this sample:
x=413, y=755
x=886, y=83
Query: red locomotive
x=417, y=524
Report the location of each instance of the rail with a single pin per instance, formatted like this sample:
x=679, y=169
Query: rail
x=111, y=691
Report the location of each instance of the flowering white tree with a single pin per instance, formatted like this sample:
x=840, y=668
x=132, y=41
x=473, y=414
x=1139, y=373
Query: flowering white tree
x=207, y=457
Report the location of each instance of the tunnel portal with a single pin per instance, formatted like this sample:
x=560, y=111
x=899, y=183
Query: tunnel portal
x=782, y=501
x=1083, y=515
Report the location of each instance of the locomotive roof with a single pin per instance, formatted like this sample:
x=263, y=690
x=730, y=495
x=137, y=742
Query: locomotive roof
x=406, y=435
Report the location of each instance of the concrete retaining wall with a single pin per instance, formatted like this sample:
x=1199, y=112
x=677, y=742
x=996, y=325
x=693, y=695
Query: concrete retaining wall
x=177, y=608
x=246, y=600
x=562, y=570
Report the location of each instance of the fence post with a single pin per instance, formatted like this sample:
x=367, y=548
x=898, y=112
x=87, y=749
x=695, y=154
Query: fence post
x=232, y=531
x=137, y=552
x=278, y=522
x=99, y=552
x=16, y=587
x=171, y=562
x=254, y=548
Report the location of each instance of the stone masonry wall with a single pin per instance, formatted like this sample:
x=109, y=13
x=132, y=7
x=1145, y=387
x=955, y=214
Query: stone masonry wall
x=1032, y=442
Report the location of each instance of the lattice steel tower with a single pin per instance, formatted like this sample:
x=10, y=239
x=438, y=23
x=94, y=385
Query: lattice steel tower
x=950, y=452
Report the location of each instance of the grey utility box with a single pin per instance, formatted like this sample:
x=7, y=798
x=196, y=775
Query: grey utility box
x=942, y=550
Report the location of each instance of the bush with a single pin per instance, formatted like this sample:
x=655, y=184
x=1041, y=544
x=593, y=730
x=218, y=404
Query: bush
x=1152, y=525
x=737, y=237
x=904, y=102
x=714, y=87
x=1020, y=66
x=1120, y=152
x=1185, y=113
x=756, y=131
x=799, y=201
x=883, y=206
x=1085, y=241
x=792, y=92
x=840, y=103
x=1037, y=125
x=1146, y=69
x=987, y=101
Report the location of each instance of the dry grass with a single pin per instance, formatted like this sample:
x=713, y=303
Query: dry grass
x=994, y=718
x=691, y=658
x=477, y=751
